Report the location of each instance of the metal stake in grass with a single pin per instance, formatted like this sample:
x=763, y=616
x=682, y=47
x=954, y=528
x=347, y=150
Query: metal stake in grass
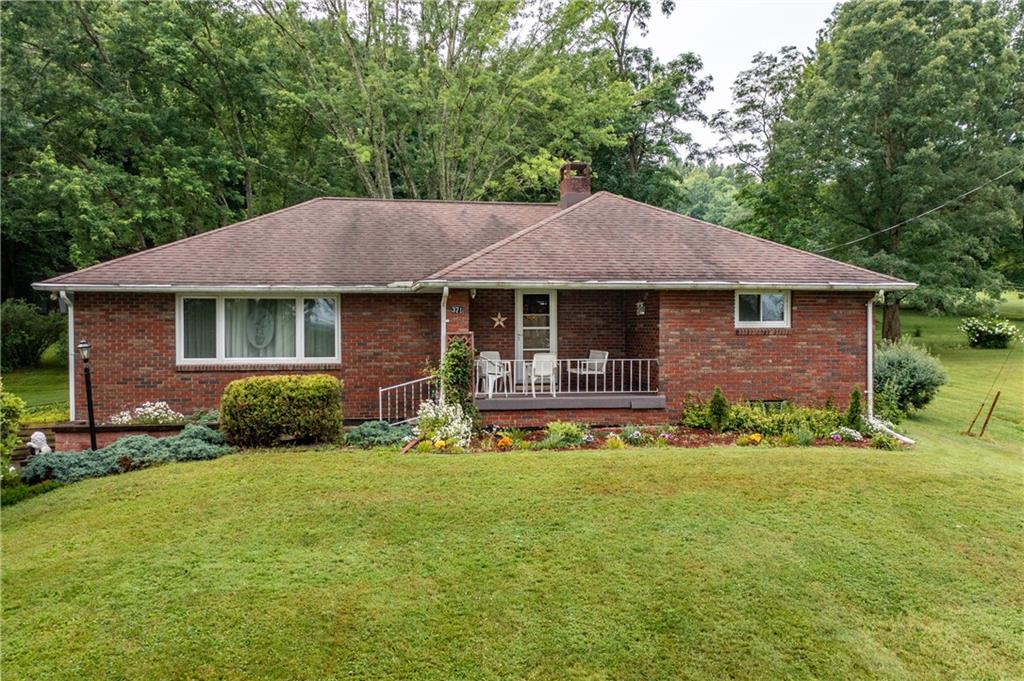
x=989, y=415
x=975, y=419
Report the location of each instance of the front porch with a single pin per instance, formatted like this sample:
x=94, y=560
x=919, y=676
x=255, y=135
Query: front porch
x=541, y=355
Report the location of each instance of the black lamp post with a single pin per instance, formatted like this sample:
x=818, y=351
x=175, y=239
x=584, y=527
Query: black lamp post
x=84, y=349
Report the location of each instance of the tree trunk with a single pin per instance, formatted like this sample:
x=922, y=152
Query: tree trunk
x=891, y=329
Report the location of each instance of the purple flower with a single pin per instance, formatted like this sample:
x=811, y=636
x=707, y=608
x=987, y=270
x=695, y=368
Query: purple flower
x=837, y=438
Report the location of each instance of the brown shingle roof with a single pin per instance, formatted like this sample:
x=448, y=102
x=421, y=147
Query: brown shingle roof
x=609, y=238
x=370, y=242
x=323, y=242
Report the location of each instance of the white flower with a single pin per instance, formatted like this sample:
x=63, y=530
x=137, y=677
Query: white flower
x=444, y=422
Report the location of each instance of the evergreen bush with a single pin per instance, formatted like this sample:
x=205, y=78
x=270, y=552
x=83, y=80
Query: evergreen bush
x=907, y=374
x=263, y=410
x=194, y=443
x=718, y=411
x=377, y=434
x=853, y=411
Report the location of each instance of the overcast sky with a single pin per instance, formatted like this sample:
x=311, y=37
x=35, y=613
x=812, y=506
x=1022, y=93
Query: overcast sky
x=727, y=33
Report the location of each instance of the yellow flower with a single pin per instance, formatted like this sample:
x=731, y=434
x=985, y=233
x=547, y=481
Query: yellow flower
x=756, y=438
x=440, y=444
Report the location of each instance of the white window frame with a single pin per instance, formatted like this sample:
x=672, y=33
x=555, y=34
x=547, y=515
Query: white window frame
x=787, y=311
x=222, y=358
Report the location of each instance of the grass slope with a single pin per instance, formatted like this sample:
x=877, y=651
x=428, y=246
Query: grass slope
x=727, y=562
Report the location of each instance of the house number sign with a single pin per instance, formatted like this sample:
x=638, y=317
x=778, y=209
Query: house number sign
x=457, y=309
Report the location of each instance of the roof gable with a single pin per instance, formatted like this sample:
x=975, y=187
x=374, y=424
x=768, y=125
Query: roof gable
x=609, y=238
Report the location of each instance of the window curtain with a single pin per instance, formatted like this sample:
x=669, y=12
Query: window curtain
x=200, y=334
x=259, y=327
x=319, y=317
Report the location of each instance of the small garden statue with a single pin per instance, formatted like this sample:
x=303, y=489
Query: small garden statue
x=37, y=444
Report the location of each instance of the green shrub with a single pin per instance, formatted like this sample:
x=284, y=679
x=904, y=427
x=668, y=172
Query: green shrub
x=262, y=410
x=456, y=376
x=718, y=411
x=567, y=433
x=788, y=440
x=194, y=443
x=25, y=333
x=378, y=434
x=13, y=490
x=804, y=437
x=908, y=374
x=989, y=332
x=886, y=442
x=756, y=418
x=852, y=419
x=11, y=409
x=695, y=414
x=614, y=441
x=636, y=437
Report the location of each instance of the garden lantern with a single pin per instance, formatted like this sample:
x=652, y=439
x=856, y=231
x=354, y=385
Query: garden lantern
x=84, y=349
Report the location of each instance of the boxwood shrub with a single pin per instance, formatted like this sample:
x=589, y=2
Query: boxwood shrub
x=264, y=410
x=194, y=443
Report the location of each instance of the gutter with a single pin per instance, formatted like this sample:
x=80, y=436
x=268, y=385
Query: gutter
x=444, y=321
x=398, y=286
x=662, y=285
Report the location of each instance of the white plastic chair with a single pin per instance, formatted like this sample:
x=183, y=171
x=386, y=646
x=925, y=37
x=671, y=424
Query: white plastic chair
x=544, y=367
x=491, y=371
x=594, y=366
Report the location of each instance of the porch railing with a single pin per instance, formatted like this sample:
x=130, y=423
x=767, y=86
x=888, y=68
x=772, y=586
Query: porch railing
x=518, y=378
x=399, y=403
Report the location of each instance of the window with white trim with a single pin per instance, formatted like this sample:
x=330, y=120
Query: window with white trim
x=257, y=329
x=762, y=309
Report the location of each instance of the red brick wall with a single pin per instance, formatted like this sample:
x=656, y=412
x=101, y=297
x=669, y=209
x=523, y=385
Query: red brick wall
x=823, y=355
x=537, y=418
x=385, y=339
x=390, y=338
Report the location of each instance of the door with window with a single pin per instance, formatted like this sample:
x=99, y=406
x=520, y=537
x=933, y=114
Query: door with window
x=536, y=326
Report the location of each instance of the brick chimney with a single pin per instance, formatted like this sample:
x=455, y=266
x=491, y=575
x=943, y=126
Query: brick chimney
x=575, y=183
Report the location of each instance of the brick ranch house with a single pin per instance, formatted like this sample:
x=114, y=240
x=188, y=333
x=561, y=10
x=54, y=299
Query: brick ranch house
x=631, y=309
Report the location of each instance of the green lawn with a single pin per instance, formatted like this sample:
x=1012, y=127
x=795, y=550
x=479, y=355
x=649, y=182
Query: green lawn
x=44, y=388
x=706, y=564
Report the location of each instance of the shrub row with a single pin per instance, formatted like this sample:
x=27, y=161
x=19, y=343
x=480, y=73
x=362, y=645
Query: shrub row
x=194, y=443
x=25, y=333
x=757, y=418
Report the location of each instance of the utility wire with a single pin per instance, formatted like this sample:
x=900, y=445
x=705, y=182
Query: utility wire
x=927, y=212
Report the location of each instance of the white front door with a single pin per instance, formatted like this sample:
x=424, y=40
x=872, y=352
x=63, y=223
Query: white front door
x=536, y=325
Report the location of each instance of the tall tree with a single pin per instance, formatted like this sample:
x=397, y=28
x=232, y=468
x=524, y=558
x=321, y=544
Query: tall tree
x=759, y=95
x=904, y=107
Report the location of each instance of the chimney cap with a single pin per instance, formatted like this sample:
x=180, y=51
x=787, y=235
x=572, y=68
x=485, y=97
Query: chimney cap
x=570, y=168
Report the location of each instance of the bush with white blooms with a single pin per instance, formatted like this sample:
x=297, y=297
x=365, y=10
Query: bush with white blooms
x=148, y=413
x=444, y=422
x=989, y=332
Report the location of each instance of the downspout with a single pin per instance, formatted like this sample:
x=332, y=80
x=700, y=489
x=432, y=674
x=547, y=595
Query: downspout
x=877, y=424
x=444, y=321
x=444, y=339
x=69, y=302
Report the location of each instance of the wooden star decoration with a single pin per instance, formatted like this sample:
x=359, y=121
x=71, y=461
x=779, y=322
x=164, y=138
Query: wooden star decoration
x=499, y=320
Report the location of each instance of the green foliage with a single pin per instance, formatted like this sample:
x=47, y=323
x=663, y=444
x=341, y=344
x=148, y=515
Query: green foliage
x=907, y=374
x=886, y=442
x=11, y=409
x=456, y=377
x=635, y=436
x=13, y=489
x=904, y=107
x=990, y=332
x=718, y=411
x=804, y=437
x=444, y=424
x=562, y=435
x=194, y=443
x=756, y=418
x=887, y=406
x=787, y=439
x=378, y=434
x=25, y=333
x=262, y=410
x=853, y=417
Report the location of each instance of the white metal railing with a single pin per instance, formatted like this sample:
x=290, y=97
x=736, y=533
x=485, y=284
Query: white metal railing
x=517, y=377
x=399, y=403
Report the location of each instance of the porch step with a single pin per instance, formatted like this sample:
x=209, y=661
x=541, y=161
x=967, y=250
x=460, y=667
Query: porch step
x=523, y=402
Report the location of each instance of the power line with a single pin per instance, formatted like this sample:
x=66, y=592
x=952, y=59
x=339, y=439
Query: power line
x=927, y=212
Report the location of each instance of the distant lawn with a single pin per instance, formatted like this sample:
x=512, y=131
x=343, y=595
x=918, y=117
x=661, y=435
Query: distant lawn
x=44, y=388
x=634, y=564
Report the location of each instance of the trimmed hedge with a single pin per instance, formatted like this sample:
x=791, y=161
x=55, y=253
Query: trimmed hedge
x=756, y=418
x=194, y=443
x=264, y=410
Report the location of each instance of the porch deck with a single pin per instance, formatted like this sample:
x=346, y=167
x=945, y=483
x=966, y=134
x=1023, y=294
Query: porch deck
x=524, y=401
